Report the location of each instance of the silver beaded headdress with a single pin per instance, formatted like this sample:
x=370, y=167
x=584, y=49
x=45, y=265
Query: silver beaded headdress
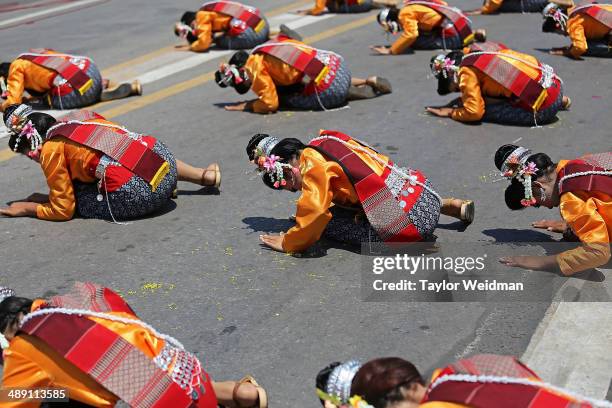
x=19, y=124
x=5, y=293
x=266, y=145
x=516, y=166
x=341, y=378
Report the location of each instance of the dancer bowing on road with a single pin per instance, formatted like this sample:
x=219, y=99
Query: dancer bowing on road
x=498, y=85
x=91, y=344
x=588, y=26
x=292, y=75
x=427, y=25
x=58, y=81
x=349, y=192
x=95, y=168
x=339, y=6
x=509, y=6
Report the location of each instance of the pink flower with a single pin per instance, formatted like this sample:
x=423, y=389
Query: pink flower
x=28, y=130
x=528, y=202
x=448, y=64
x=283, y=182
x=276, y=184
x=270, y=162
x=530, y=169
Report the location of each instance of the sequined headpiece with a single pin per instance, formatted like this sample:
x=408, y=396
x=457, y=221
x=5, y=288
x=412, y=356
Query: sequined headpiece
x=386, y=22
x=442, y=66
x=554, y=11
x=5, y=293
x=269, y=163
x=516, y=166
x=341, y=378
x=19, y=124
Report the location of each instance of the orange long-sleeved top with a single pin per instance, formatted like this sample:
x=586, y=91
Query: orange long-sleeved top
x=266, y=72
x=475, y=85
x=318, y=8
x=323, y=183
x=24, y=75
x=589, y=215
x=581, y=28
x=413, y=18
x=206, y=24
x=31, y=363
x=491, y=6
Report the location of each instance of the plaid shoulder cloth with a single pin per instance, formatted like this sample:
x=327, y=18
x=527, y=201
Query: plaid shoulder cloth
x=115, y=143
x=247, y=14
x=487, y=46
x=476, y=394
x=461, y=24
x=588, y=173
x=77, y=78
x=595, y=11
x=387, y=200
x=113, y=362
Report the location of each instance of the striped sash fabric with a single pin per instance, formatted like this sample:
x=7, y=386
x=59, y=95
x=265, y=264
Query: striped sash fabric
x=77, y=78
x=488, y=46
x=587, y=182
x=526, y=89
x=381, y=206
x=347, y=2
x=595, y=11
x=115, y=143
x=298, y=56
x=113, y=362
x=249, y=15
x=498, y=395
x=461, y=25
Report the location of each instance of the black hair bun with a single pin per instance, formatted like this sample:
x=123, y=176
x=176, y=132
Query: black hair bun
x=239, y=59
x=502, y=154
x=188, y=17
x=8, y=111
x=513, y=195
x=252, y=145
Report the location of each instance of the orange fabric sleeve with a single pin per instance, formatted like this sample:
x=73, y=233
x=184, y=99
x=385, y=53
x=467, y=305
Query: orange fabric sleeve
x=589, y=215
x=24, y=75
x=410, y=31
x=203, y=30
x=575, y=30
x=62, y=203
x=491, y=6
x=262, y=84
x=319, y=8
x=312, y=215
x=473, y=108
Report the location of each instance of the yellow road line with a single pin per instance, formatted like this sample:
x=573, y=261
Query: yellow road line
x=145, y=100
x=154, y=54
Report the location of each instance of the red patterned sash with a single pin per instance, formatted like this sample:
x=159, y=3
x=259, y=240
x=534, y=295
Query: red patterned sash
x=104, y=355
x=297, y=55
x=526, y=89
x=115, y=143
x=460, y=23
x=383, y=210
x=488, y=46
x=585, y=182
x=596, y=12
x=347, y=2
x=249, y=15
x=77, y=78
x=490, y=394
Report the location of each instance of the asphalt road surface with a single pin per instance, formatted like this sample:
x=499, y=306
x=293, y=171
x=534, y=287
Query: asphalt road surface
x=197, y=271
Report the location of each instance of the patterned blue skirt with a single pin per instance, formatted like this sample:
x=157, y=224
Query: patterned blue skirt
x=134, y=199
x=522, y=6
x=248, y=39
x=434, y=41
x=506, y=113
x=341, y=7
x=601, y=49
x=74, y=99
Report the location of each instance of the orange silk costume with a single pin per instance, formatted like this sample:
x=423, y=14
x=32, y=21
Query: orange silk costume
x=589, y=215
x=31, y=363
x=24, y=75
x=581, y=28
x=491, y=6
x=206, y=24
x=266, y=72
x=319, y=8
x=474, y=86
x=324, y=183
x=413, y=18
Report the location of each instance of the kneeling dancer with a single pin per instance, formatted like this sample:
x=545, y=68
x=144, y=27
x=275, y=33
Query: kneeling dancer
x=588, y=25
x=340, y=6
x=480, y=381
x=427, y=25
x=58, y=81
x=581, y=188
x=95, y=168
x=498, y=85
x=90, y=343
x=293, y=75
x=510, y=6
x=350, y=192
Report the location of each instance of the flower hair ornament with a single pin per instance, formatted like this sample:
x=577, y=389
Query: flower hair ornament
x=269, y=163
x=553, y=11
x=183, y=30
x=229, y=75
x=442, y=66
x=5, y=293
x=386, y=23
x=516, y=166
x=19, y=124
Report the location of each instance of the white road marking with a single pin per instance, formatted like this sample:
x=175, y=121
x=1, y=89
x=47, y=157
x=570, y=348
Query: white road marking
x=28, y=17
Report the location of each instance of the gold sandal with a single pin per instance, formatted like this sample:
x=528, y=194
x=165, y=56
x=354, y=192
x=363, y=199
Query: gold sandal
x=262, y=400
x=467, y=211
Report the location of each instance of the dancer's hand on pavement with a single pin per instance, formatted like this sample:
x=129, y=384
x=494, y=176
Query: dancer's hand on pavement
x=241, y=106
x=535, y=263
x=273, y=241
x=182, y=47
x=19, y=209
x=381, y=49
x=440, y=112
x=551, y=225
x=303, y=12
